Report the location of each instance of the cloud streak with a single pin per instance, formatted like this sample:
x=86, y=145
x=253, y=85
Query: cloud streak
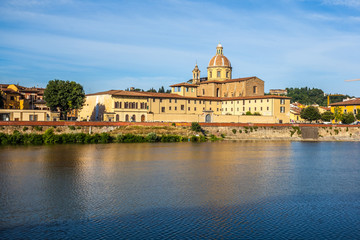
x=287, y=43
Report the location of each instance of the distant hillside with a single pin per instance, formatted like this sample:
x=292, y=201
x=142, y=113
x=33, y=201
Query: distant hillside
x=310, y=96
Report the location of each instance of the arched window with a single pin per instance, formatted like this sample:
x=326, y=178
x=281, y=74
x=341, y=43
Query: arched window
x=126, y=118
x=142, y=118
x=133, y=118
x=210, y=74
x=255, y=89
x=117, y=117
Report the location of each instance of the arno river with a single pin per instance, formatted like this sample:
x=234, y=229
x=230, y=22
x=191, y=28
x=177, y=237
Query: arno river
x=229, y=190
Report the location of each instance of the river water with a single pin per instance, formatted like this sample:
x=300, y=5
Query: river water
x=226, y=190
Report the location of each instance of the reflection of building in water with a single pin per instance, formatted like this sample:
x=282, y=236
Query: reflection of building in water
x=215, y=98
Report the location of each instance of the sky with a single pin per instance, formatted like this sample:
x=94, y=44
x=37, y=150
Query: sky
x=112, y=44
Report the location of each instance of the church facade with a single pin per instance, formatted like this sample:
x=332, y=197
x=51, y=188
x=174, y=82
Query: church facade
x=215, y=98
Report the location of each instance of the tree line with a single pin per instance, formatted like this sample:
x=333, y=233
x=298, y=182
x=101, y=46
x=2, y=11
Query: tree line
x=310, y=96
x=312, y=113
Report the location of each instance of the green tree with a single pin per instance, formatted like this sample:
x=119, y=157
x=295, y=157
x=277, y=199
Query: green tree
x=64, y=96
x=310, y=113
x=337, y=114
x=161, y=90
x=357, y=114
x=2, y=98
x=348, y=118
x=151, y=90
x=327, y=116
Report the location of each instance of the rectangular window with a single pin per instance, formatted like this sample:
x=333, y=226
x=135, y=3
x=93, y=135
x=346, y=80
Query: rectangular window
x=255, y=109
x=120, y=105
x=200, y=102
x=160, y=100
x=175, y=100
x=282, y=101
x=267, y=108
x=188, y=101
x=231, y=109
x=182, y=107
x=218, y=74
x=175, y=108
x=169, y=100
x=249, y=108
x=255, y=89
x=169, y=108
x=243, y=109
x=282, y=109
x=194, y=101
x=188, y=108
x=261, y=109
x=194, y=108
x=179, y=88
x=162, y=109
x=249, y=101
x=153, y=99
x=187, y=89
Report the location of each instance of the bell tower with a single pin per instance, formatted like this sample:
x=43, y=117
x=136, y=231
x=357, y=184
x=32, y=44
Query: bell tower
x=196, y=75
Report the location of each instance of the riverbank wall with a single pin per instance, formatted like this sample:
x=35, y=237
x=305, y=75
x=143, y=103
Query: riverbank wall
x=226, y=131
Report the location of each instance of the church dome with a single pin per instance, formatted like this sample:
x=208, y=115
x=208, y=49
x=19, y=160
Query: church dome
x=219, y=60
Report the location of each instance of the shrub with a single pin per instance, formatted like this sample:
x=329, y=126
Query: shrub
x=25, y=129
x=173, y=124
x=194, y=139
x=213, y=138
x=38, y=128
x=152, y=137
x=195, y=126
x=248, y=113
x=129, y=138
x=48, y=136
x=234, y=131
x=170, y=138
x=105, y=138
x=223, y=135
x=72, y=127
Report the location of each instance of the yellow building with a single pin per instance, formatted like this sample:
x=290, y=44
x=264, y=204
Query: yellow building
x=346, y=106
x=216, y=98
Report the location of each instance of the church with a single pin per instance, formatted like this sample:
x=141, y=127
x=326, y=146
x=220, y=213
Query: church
x=215, y=98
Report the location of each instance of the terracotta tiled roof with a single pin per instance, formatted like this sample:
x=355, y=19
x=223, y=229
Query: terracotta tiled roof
x=256, y=97
x=325, y=108
x=219, y=60
x=346, y=103
x=171, y=95
x=229, y=80
x=184, y=84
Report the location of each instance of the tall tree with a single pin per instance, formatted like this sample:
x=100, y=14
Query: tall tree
x=64, y=96
x=161, y=90
x=337, y=114
x=310, y=113
x=2, y=99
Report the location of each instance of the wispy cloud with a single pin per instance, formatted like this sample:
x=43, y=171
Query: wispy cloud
x=347, y=3
x=143, y=43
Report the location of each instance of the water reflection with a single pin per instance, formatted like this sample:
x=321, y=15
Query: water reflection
x=214, y=187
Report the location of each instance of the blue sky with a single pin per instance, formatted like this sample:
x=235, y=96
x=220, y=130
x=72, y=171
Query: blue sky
x=118, y=44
